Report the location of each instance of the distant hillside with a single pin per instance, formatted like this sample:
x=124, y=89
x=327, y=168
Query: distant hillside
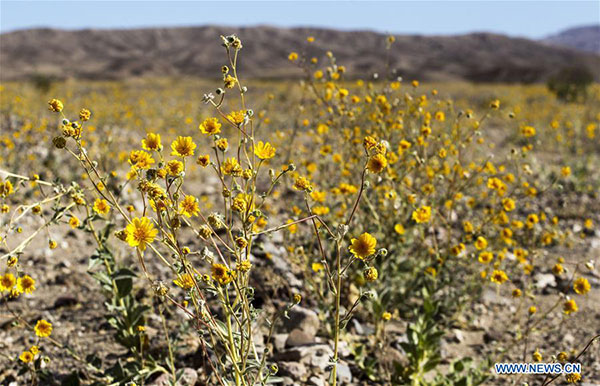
x=196, y=51
x=585, y=38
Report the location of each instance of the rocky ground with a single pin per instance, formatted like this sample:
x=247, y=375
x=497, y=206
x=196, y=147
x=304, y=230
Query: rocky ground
x=71, y=300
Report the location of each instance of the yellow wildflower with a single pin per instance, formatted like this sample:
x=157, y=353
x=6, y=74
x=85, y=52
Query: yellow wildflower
x=140, y=232
x=101, y=206
x=569, y=306
x=74, y=222
x=581, y=286
x=222, y=274
x=498, y=277
x=55, y=105
x=264, y=150
x=183, y=147
x=152, y=142
x=422, y=214
x=26, y=284
x=186, y=281
x=174, y=167
x=26, y=357
x=43, y=329
x=377, y=163
x=481, y=243
x=231, y=167
x=189, y=206
x=210, y=126
x=364, y=246
x=7, y=282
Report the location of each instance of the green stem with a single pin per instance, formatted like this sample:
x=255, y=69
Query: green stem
x=338, y=291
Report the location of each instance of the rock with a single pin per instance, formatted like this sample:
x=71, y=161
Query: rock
x=299, y=337
x=186, y=377
x=273, y=251
x=301, y=318
x=357, y=327
x=320, y=359
x=313, y=354
x=287, y=381
x=444, y=350
x=295, y=370
x=259, y=339
x=392, y=327
x=490, y=296
x=276, y=256
x=568, y=339
x=456, y=336
x=344, y=375
x=189, y=377
x=478, y=324
x=362, y=329
x=543, y=280
x=480, y=309
x=279, y=342
x=343, y=349
x=316, y=381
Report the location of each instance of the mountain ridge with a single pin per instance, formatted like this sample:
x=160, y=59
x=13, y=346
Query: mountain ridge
x=584, y=38
x=196, y=51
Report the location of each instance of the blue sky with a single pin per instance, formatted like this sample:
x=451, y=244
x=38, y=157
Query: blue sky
x=531, y=19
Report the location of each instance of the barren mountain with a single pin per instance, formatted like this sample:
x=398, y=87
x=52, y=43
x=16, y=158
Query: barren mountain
x=585, y=38
x=196, y=51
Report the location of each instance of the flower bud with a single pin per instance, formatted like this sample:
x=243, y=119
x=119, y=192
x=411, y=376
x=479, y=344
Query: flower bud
x=121, y=235
x=175, y=223
x=205, y=231
x=371, y=274
x=160, y=288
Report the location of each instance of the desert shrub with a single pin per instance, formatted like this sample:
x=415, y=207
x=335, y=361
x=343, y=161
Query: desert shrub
x=571, y=83
x=42, y=82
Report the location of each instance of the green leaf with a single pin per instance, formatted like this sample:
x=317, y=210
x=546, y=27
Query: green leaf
x=123, y=279
x=106, y=232
x=103, y=278
x=137, y=314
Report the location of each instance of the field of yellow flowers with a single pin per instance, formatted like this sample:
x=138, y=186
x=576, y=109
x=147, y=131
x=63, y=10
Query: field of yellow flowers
x=330, y=231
